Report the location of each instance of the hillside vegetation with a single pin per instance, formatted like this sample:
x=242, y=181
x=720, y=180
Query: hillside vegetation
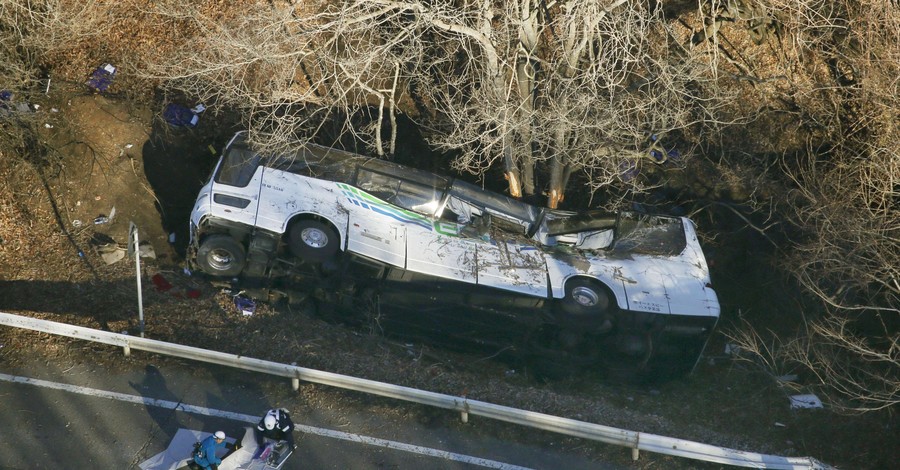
x=770, y=122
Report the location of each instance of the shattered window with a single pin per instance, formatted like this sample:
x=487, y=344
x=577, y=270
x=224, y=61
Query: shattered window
x=521, y=216
x=649, y=234
x=381, y=186
x=563, y=223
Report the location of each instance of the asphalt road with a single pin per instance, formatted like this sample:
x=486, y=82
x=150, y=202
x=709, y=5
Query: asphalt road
x=71, y=412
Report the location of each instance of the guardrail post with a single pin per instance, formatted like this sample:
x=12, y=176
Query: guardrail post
x=635, y=452
x=295, y=381
x=464, y=415
x=127, y=350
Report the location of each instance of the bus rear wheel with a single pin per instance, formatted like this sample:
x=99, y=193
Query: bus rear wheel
x=312, y=240
x=586, y=306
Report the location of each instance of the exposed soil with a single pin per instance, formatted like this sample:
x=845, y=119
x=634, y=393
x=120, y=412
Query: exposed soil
x=106, y=153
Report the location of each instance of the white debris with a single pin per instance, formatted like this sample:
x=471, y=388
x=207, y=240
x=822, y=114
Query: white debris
x=805, y=401
x=732, y=349
x=111, y=253
x=146, y=251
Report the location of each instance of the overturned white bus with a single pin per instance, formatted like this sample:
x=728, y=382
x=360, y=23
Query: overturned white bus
x=442, y=258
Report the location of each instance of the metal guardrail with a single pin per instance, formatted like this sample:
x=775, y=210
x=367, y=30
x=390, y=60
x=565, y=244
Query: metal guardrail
x=636, y=441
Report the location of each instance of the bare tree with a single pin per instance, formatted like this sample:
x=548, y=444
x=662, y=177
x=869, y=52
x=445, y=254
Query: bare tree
x=569, y=85
x=576, y=85
x=832, y=66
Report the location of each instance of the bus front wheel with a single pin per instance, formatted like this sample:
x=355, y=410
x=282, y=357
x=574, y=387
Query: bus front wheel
x=221, y=255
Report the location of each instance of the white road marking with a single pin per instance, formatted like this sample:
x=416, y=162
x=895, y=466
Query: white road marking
x=201, y=410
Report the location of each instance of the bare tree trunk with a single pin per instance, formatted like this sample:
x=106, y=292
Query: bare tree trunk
x=558, y=174
x=526, y=80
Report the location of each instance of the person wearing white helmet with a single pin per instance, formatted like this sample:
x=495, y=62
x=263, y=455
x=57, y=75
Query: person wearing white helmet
x=277, y=426
x=205, y=454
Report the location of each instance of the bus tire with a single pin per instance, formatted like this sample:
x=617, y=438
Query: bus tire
x=311, y=240
x=221, y=255
x=585, y=298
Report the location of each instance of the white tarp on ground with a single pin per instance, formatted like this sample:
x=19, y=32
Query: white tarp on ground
x=178, y=454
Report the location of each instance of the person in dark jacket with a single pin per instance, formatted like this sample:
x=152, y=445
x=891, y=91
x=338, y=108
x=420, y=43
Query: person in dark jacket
x=277, y=426
x=206, y=457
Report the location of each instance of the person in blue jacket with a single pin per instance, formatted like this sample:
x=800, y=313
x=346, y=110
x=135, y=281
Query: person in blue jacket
x=205, y=456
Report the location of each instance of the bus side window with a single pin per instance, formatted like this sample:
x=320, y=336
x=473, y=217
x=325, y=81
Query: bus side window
x=378, y=185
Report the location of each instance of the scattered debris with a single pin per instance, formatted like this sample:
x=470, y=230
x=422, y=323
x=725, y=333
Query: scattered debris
x=181, y=116
x=76, y=223
x=245, y=305
x=732, y=349
x=162, y=285
x=145, y=250
x=114, y=256
x=101, y=78
x=780, y=425
x=111, y=253
x=9, y=105
x=805, y=401
x=788, y=378
x=105, y=246
x=101, y=219
x=174, y=288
